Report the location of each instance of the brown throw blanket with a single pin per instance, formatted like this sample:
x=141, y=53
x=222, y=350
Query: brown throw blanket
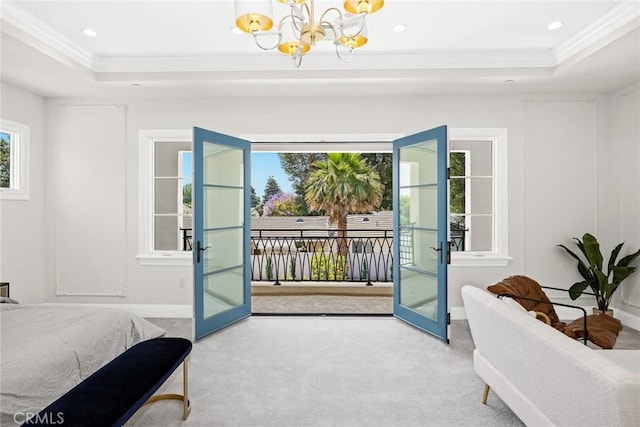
x=602, y=329
x=523, y=286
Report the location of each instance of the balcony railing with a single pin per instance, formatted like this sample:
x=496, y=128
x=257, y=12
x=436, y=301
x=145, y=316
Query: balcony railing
x=321, y=255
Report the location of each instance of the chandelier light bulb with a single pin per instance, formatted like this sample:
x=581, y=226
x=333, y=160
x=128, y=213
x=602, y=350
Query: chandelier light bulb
x=363, y=6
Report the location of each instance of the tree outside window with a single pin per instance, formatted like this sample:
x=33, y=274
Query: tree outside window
x=5, y=160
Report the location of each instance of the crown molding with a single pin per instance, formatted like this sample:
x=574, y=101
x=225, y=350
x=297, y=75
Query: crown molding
x=322, y=61
x=616, y=22
x=30, y=29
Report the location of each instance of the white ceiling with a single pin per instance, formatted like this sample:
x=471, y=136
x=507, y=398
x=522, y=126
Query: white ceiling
x=183, y=48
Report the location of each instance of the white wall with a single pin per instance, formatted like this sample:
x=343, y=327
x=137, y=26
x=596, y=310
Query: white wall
x=22, y=230
x=619, y=189
x=551, y=194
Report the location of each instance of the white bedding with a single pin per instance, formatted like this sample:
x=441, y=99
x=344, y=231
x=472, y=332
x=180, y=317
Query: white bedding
x=45, y=350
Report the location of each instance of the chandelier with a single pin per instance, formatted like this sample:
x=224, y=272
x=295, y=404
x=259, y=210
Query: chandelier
x=298, y=31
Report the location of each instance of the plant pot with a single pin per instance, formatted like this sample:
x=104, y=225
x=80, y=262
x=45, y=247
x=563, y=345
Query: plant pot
x=609, y=311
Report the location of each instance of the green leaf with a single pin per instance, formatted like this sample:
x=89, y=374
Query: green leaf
x=577, y=288
x=612, y=258
x=570, y=252
x=582, y=268
x=608, y=289
x=621, y=273
x=585, y=272
x=592, y=251
x=625, y=261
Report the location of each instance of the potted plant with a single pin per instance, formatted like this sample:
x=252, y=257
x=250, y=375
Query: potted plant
x=602, y=284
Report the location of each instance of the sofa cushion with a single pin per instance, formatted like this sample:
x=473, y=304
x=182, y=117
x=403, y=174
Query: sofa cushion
x=523, y=286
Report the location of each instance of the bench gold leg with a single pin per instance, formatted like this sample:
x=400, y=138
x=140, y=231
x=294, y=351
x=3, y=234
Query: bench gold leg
x=486, y=394
x=186, y=405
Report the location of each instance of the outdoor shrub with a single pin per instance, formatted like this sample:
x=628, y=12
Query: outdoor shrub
x=364, y=269
x=292, y=267
x=269, y=268
x=325, y=267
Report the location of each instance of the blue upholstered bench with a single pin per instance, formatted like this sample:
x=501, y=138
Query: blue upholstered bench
x=112, y=394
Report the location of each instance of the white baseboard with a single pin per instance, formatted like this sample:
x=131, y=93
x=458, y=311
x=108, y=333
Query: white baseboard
x=142, y=310
x=627, y=319
x=458, y=313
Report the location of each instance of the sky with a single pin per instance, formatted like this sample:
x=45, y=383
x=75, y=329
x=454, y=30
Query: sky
x=264, y=165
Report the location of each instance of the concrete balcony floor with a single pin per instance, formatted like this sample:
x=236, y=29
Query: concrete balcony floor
x=322, y=298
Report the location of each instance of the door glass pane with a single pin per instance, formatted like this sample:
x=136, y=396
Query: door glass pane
x=225, y=249
x=223, y=165
x=419, y=292
x=225, y=207
x=416, y=207
x=424, y=257
x=418, y=164
x=223, y=291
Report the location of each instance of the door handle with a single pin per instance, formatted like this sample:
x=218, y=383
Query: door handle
x=438, y=250
x=200, y=250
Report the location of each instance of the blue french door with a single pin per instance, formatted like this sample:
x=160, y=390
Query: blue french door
x=221, y=235
x=421, y=250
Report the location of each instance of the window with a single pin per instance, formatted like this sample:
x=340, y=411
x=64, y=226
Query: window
x=478, y=196
x=171, y=194
x=14, y=164
x=165, y=197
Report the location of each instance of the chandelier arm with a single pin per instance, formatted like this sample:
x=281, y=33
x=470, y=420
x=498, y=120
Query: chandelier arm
x=297, y=19
x=360, y=30
x=350, y=50
x=297, y=57
x=255, y=35
x=331, y=27
x=330, y=10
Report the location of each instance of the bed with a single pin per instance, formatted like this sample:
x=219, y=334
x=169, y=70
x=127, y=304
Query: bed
x=46, y=350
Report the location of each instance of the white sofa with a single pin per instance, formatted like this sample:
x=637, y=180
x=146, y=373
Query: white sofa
x=545, y=377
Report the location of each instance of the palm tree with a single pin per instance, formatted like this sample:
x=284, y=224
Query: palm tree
x=342, y=184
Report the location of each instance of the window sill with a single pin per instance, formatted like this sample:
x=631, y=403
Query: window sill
x=479, y=259
x=10, y=194
x=166, y=259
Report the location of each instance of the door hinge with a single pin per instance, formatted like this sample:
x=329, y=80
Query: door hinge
x=449, y=252
x=448, y=173
x=448, y=318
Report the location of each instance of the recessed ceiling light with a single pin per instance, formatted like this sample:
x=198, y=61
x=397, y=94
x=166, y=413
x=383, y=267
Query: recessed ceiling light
x=398, y=28
x=554, y=25
x=89, y=32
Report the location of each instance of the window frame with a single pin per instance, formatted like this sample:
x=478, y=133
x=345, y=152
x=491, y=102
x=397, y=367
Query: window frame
x=499, y=256
x=147, y=255
x=19, y=160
